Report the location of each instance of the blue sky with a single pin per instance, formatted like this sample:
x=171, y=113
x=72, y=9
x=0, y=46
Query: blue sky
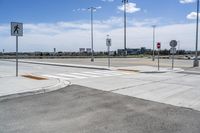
x=36, y=11
x=58, y=23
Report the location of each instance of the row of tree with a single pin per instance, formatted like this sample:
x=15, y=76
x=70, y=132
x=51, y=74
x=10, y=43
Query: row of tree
x=113, y=53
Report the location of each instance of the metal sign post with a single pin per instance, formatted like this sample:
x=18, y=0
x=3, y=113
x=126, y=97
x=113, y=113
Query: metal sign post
x=173, y=45
x=108, y=56
x=17, y=56
x=158, y=60
x=173, y=61
x=173, y=52
x=158, y=47
x=16, y=30
x=108, y=44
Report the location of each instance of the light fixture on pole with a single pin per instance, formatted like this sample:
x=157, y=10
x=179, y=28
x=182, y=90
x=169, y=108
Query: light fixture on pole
x=92, y=9
x=125, y=2
x=196, y=61
x=153, y=54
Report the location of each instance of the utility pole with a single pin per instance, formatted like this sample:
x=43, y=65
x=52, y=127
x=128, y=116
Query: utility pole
x=92, y=9
x=196, y=60
x=3, y=51
x=179, y=45
x=125, y=2
x=153, y=56
x=108, y=44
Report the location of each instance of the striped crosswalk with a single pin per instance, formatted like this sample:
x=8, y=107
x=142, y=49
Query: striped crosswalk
x=83, y=75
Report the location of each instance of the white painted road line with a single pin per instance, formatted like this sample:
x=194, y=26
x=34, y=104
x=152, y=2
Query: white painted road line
x=57, y=77
x=103, y=73
x=109, y=72
x=100, y=74
x=86, y=75
x=72, y=76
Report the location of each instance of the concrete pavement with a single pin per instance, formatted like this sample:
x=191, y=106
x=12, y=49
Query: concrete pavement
x=177, y=89
x=110, y=101
x=171, y=87
x=27, y=83
x=19, y=86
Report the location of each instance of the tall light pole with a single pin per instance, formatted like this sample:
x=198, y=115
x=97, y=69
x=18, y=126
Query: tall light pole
x=196, y=61
x=153, y=56
x=125, y=2
x=92, y=9
x=179, y=45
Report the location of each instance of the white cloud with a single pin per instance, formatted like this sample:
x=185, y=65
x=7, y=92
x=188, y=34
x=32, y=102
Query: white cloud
x=70, y=36
x=98, y=7
x=130, y=8
x=79, y=9
x=107, y=0
x=84, y=9
x=187, y=1
x=192, y=15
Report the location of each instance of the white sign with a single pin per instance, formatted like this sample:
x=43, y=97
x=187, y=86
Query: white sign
x=173, y=51
x=16, y=29
x=108, y=42
x=173, y=43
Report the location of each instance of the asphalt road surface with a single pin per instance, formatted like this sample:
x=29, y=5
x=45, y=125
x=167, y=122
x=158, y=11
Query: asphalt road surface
x=77, y=109
x=120, y=62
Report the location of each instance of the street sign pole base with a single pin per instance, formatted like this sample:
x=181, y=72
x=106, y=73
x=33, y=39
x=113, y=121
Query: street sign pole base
x=153, y=59
x=196, y=63
x=92, y=60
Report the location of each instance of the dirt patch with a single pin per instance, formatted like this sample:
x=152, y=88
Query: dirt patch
x=34, y=77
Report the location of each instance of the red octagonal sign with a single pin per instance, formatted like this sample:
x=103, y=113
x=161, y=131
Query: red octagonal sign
x=158, y=45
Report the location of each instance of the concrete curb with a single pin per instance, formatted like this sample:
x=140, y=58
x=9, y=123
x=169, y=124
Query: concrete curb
x=190, y=72
x=151, y=71
x=63, y=65
x=60, y=85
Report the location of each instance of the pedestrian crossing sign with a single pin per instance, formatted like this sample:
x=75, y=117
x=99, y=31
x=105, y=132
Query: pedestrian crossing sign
x=16, y=29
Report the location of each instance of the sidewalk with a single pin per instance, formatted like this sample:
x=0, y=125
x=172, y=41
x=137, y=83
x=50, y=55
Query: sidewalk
x=20, y=86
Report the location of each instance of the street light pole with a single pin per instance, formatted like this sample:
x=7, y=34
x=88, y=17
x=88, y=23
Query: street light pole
x=154, y=27
x=179, y=45
x=125, y=48
x=196, y=61
x=108, y=43
x=92, y=33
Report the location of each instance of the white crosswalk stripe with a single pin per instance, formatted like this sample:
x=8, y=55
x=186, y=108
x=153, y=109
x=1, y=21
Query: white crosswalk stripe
x=100, y=74
x=109, y=72
x=72, y=76
x=84, y=75
x=57, y=77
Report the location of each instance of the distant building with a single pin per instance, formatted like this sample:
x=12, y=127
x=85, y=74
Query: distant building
x=131, y=51
x=54, y=50
x=88, y=50
x=81, y=50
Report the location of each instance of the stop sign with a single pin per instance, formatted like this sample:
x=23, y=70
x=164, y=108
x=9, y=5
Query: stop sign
x=158, y=45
